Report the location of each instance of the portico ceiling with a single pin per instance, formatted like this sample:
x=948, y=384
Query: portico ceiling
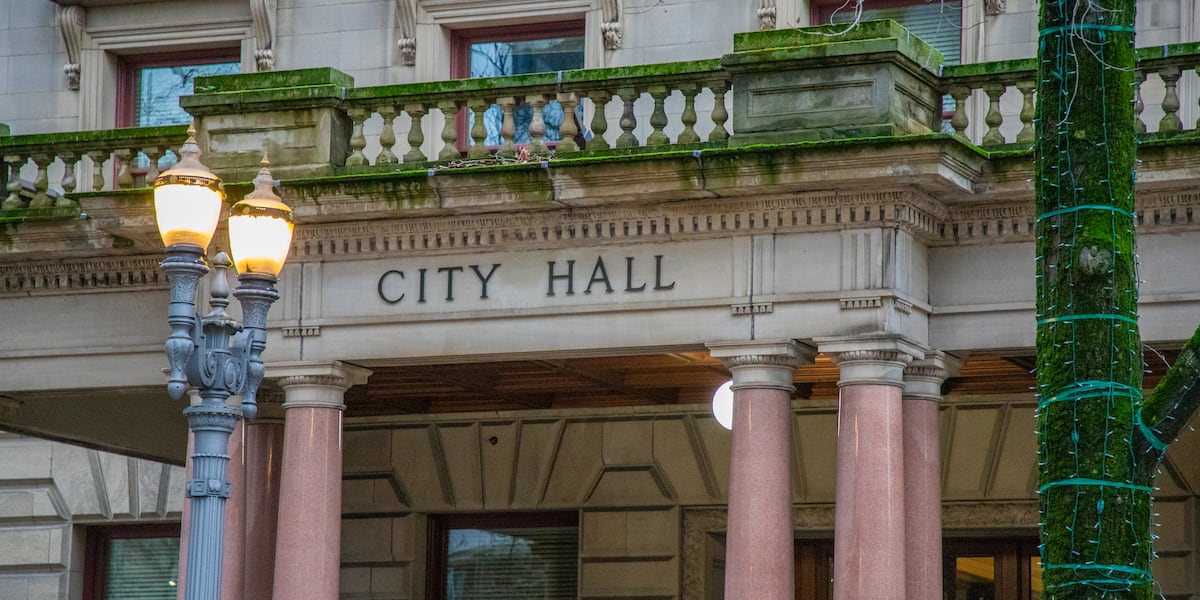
x=673, y=378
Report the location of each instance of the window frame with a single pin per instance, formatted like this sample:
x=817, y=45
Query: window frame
x=440, y=526
x=462, y=39
x=95, y=573
x=128, y=66
x=1012, y=566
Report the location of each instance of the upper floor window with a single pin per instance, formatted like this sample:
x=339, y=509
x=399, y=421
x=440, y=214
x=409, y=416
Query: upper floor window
x=151, y=84
x=532, y=48
x=938, y=23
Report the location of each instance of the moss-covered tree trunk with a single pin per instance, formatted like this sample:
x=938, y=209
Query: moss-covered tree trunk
x=1099, y=441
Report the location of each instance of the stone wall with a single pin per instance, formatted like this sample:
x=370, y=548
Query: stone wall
x=50, y=493
x=359, y=37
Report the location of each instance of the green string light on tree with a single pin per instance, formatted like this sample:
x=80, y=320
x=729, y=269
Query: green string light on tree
x=1099, y=440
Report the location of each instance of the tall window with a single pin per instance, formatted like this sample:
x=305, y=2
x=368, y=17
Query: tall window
x=534, y=48
x=134, y=562
x=510, y=556
x=151, y=84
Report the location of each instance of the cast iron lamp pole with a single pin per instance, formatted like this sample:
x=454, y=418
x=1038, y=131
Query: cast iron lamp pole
x=214, y=353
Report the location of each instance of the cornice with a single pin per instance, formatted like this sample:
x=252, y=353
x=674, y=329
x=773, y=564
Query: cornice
x=910, y=210
x=23, y=271
x=1013, y=221
x=86, y=275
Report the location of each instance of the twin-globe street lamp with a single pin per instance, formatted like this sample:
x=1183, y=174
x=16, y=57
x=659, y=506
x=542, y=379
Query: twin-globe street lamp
x=214, y=354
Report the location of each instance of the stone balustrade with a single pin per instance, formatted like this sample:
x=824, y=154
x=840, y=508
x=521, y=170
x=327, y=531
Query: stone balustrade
x=42, y=170
x=507, y=117
x=1005, y=90
x=783, y=86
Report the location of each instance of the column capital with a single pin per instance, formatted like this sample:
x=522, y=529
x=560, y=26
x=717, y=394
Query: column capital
x=762, y=363
x=870, y=359
x=923, y=378
x=316, y=385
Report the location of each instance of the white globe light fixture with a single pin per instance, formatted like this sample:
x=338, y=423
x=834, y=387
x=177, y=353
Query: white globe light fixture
x=722, y=405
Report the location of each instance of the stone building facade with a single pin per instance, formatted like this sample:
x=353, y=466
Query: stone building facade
x=518, y=342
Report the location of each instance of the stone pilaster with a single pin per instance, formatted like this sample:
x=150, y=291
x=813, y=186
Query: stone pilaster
x=759, y=549
x=869, y=521
x=308, y=542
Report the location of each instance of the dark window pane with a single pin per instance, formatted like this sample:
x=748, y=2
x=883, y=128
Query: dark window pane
x=142, y=569
x=159, y=88
x=511, y=563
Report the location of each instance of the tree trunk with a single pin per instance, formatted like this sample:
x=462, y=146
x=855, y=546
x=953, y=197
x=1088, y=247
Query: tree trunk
x=1099, y=442
x=1095, y=501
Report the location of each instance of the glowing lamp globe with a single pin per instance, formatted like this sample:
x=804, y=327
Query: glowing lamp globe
x=722, y=405
x=188, y=199
x=260, y=228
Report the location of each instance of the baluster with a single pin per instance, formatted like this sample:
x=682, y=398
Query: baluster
x=959, y=120
x=658, y=118
x=41, y=182
x=387, y=137
x=568, y=129
x=124, y=175
x=449, y=110
x=416, y=137
x=358, y=141
x=993, y=119
x=600, y=100
x=68, y=179
x=97, y=157
x=1139, y=105
x=15, y=162
x=628, y=120
x=537, y=125
x=508, y=130
x=1170, y=104
x=153, y=153
x=688, y=135
x=1026, y=88
x=479, y=107
x=719, y=113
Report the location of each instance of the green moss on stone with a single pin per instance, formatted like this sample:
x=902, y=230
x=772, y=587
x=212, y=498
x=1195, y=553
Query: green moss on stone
x=98, y=138
x=517, y=84
x=263, y=80
x=28, y=215
x=817, y=35
x=990, y=68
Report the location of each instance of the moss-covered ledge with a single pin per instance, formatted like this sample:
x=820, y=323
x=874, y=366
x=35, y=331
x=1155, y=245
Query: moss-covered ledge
x=831, y=45
x=41, y=214
x=78, y=141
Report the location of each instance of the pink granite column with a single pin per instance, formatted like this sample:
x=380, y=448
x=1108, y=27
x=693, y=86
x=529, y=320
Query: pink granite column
x=232, y=572
x=759, y=562
x=923, y=473
x=868, y=540
x=308, y=542
x=264, y=448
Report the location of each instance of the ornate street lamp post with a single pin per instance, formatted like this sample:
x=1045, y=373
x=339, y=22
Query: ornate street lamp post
x=214, y=353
